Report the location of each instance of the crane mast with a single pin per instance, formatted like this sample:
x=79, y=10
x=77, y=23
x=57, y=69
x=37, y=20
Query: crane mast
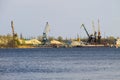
x=13, y=34
x=12, y=26
x=15, y=37
x=94, y=32
x=99, y=34
x=99, y=28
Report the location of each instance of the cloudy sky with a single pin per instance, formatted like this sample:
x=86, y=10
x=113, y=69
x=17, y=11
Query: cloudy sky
x=64, y=16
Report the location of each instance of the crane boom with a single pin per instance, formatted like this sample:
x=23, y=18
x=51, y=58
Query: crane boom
x=45, y=33
x=85, y=30
x=47, y=28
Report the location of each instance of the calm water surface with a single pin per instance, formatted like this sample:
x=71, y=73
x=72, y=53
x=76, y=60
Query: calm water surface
x=60, y=64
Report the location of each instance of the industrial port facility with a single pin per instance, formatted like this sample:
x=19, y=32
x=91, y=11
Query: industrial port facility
x=93, y=40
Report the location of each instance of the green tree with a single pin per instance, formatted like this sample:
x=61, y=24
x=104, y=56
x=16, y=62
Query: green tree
x=110, y=39
x=60, y=38
x=51, y=38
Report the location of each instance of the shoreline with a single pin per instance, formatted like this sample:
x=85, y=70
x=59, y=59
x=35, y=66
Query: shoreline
x=45, y=46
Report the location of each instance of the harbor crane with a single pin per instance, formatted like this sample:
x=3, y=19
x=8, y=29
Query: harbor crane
x=13, y=34
x=45, y=33
x=93, y=38
x=89, y=36
x=12, y=26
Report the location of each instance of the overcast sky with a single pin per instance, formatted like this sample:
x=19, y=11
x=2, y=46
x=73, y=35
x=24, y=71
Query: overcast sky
x=64, y=16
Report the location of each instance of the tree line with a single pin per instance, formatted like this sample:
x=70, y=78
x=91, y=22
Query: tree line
x=7, y=41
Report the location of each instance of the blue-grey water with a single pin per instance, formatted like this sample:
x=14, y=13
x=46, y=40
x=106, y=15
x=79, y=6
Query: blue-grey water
x=60, y=64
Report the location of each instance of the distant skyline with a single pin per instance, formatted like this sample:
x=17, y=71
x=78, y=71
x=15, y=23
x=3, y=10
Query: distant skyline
x=64, y=17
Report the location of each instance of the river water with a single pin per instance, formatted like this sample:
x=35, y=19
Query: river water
x=60, y=64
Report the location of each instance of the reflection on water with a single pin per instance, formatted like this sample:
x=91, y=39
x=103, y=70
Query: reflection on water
x=60, y=64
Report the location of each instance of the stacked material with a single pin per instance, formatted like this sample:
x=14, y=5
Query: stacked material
x=56, y=42
x=118, y=43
